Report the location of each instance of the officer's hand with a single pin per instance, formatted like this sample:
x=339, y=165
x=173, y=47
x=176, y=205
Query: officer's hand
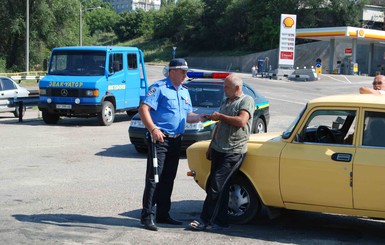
x=158, y=135
x=204, y=117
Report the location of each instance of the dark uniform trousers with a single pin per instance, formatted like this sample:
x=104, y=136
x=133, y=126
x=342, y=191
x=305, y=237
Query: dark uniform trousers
x=159, y=194
x=223, y=167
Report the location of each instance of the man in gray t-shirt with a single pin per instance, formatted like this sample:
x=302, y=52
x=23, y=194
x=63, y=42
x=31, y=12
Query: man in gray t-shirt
x=226, y=151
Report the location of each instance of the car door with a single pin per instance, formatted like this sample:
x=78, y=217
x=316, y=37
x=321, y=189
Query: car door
x=117, y=80
x=8, y=90
x=133, y=88
x=369, y=163
x=316, y=169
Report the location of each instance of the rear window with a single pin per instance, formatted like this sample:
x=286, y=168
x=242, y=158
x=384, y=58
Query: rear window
x=206, y=95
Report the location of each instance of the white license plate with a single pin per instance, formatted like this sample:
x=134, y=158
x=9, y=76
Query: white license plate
x=63, y=106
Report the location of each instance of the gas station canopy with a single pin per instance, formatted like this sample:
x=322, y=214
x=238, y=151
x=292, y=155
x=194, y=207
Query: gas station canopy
x=345, y=34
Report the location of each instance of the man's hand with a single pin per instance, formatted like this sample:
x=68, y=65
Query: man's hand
x=158, y=135
x=215, y=116
x=204, y=117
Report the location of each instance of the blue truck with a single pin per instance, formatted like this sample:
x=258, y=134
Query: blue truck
x=93, y=81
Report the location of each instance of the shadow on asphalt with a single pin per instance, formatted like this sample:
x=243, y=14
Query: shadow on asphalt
x=64, y=121
x=294, y=227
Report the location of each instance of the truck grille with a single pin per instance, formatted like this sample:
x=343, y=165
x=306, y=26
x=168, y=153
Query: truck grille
x=64, y=92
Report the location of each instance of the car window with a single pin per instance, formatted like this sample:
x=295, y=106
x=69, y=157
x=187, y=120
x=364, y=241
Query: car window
x=8, y=84
x=330, y=126
x=374, y=129
x=206, y=95
x=248, y=91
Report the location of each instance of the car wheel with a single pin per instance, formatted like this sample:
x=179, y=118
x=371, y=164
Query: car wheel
x=16, y=112
x=107, y=115
x=49, y=118
x=140, y=149
x=259, y=127
x=244, y=203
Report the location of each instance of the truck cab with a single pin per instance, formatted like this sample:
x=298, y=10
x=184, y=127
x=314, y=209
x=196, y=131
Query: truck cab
x=93, y=81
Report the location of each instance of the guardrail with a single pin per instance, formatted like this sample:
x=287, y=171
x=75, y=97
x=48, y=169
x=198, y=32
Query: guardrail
x=19, y=78
x=32, y=100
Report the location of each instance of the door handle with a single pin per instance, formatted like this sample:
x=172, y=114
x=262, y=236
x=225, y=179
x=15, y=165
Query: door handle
x=342, y=157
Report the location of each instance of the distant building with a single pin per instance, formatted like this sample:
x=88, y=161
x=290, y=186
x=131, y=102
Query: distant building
x=128, y=5
x=373, y=17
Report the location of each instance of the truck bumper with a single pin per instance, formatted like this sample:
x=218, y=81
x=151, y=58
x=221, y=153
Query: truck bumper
x=74, y=111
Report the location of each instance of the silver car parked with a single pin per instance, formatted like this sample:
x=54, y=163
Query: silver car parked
x=9, y=90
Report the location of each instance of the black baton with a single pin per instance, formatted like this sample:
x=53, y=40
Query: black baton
x=154, y=159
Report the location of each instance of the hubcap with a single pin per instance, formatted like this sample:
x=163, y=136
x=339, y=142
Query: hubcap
x=239, y=200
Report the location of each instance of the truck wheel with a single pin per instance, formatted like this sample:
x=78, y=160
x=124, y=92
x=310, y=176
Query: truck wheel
x=107, y=115
x=244, y=203
x=16, y=112
x=49, y=118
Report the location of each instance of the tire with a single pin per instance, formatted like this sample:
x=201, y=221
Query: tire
x=259, y=127
x=244, y=203
x=107, y=115
x=16, y=112
x=49, y=118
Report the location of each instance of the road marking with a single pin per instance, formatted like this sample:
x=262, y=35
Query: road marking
x=289, y=101
x=338, y=80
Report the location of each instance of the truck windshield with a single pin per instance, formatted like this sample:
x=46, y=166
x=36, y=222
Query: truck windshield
x=77, y=63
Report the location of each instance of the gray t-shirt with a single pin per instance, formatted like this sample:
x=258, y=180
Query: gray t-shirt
x=231, y=139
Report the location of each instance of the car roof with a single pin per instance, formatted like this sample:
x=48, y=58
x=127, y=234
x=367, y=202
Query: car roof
x=369, y=100
x=197, y=81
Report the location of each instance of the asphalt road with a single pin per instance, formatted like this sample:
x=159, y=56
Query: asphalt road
x=80, y=183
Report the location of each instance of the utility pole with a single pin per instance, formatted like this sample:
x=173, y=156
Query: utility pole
x=27, y=39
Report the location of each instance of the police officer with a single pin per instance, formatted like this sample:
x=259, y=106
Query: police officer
x=164, y=112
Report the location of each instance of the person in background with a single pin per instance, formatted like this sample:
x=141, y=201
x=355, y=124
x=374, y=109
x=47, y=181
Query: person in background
x=378, y=86
x=165, y=111
x=226, y=152
x=253, y=71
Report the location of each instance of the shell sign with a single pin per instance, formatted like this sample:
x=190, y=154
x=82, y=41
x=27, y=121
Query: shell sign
x=288, y=22
x=287, y=41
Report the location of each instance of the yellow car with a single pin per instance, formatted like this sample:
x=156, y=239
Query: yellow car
x=330, y=159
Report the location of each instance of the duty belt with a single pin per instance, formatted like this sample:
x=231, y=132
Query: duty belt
x=171, y=135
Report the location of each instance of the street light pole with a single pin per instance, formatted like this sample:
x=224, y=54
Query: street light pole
x=27, y=39
x=81, y=21
x=80, y=25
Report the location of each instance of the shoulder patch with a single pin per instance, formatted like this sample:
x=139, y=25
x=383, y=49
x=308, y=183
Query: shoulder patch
x=151, y=91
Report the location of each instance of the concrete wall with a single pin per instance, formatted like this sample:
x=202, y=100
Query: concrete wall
x=306, y=55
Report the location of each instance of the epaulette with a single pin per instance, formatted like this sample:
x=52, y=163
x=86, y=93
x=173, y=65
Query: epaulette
x=160, y=83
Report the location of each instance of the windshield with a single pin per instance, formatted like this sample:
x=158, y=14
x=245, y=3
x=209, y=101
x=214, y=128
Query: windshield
x=77, y=63
x=206, y=95
x=286, y=134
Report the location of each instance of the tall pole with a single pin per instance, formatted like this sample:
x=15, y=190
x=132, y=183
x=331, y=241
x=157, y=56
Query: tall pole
x=27, y=39
x=80, y=25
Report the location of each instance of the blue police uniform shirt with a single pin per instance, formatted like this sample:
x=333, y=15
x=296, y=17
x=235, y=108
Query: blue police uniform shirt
x=170, y=106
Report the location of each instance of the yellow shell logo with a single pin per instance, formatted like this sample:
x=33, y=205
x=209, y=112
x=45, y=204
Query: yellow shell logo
x=361, y=33
x=288, y=22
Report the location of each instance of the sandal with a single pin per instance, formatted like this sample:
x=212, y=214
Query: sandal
x=196, y=225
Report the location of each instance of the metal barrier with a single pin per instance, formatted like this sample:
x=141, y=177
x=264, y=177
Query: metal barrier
x=19, y=78
x=32, y=100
